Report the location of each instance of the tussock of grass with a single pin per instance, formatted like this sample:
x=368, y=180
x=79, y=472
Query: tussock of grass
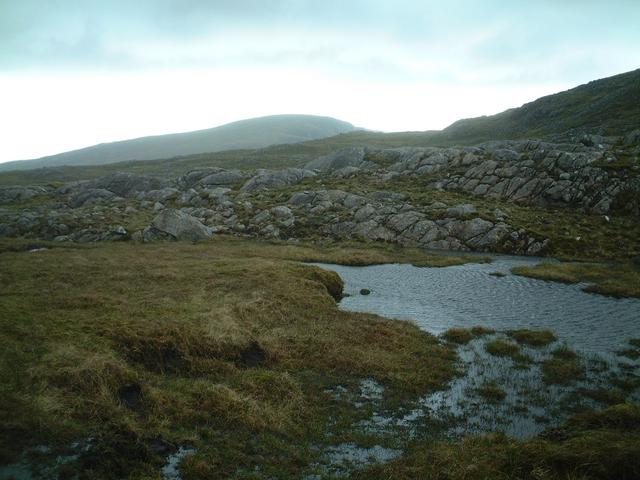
x=562, y=370
x=619, y=280
x=481, y=331
x=458, y=335
x=462, y=336
x=599, y=445
x=501, y=348
x=563, y=352
x=534, y=338
x=492, y=392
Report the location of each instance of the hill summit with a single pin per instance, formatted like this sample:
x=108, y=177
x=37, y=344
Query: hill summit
x=244, y=134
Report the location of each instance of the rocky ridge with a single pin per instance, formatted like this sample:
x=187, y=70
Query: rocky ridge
x=593, y=176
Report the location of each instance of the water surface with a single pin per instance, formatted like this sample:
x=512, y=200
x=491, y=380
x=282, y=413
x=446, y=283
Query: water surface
x=437, y=299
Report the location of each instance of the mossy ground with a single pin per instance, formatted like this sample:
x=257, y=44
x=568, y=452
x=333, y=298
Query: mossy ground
x=226, y=345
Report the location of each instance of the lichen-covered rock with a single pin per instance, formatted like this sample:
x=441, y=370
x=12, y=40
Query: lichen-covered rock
x=348, y=157
x=176, y=225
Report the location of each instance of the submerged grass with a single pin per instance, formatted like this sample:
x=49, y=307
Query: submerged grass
x=226, y=345
x=617, y=280
x=597, y=445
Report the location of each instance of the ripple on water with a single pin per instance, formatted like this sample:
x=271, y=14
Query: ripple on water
x=437, y=299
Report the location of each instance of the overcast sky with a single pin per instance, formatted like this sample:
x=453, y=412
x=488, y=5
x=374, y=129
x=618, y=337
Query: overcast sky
x=77, y=73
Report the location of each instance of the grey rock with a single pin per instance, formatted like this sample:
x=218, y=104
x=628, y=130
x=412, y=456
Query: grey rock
x=387, y=196
x=180, y=226
x=461, y=211
x=274, y=179
x=91, y=197
x=126, y=184
x=348, y=157
x=19, y=194
x=225, y=177
x=161, y=195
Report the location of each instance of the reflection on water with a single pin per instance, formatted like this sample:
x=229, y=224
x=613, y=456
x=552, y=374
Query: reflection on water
x=437, y=299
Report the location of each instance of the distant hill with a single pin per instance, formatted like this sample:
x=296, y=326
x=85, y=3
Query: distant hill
x=610, y=106
x=245, y=134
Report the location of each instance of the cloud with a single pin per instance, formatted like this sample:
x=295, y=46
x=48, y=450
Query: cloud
x=69, y=69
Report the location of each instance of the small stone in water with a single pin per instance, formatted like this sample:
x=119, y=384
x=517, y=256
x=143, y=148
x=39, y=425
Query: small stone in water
x=365, y=291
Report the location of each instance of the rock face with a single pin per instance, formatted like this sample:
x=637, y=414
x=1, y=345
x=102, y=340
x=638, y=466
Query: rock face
x=176, y=225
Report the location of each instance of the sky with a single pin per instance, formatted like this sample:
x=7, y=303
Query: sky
x=78, y=73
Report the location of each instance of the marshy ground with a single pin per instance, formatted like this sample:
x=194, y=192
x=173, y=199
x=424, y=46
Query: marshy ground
x=231, y=359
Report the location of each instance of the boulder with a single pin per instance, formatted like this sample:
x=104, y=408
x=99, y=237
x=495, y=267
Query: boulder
x=178, y=226
x=90, y=197
x=126, y=184
x=461, y=211
x=348, y=157
x=225, y=177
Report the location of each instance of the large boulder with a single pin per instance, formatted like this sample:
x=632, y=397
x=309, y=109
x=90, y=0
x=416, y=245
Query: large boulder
x=225, y=177
x=94, y=196
x=348, y=157
x=176, y=225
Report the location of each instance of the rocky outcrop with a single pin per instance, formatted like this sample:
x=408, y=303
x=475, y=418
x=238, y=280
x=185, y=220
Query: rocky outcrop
x=208, y=200
x=351, y=216
x=348, y=157
x=20, y=194
x=527, y=172
x=176, y=225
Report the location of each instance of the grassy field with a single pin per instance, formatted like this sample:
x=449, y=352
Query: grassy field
x=225, y=345
x=232, y=347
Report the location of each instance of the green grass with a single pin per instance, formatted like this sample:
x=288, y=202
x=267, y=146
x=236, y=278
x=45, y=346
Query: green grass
x=462, y=336
x=534, y=338
x=617, y=280
x=502, y=348
x=79, y=324
x=563, y=368
x=491, y=392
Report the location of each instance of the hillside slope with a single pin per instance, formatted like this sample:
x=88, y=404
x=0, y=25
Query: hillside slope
x=245, y=134
x=609, y=106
